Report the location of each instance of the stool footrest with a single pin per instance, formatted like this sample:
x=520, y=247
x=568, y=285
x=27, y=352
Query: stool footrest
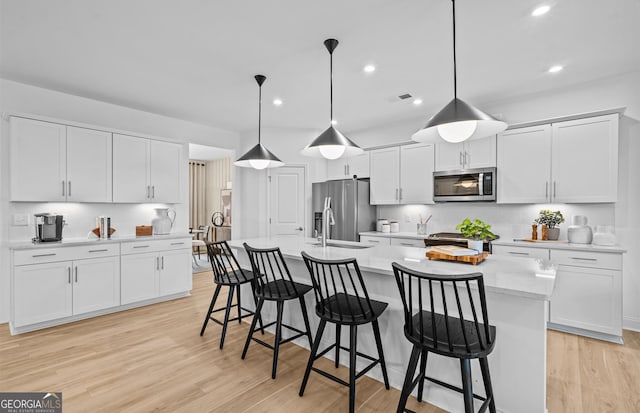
x=452, y=387
x=246, y=314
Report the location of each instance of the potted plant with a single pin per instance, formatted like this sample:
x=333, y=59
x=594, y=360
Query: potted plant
x=476, y=231
x=550, y=219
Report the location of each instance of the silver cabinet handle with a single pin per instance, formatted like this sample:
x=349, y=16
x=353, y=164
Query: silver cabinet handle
x=153, y=191
x=584, y=259
x=466, y=161
x=546, y=190
x=348, y=169
x=69, y=189
x=69, y=274
x=76, y=274
x=177, y=243
x=63, y=188
x=140, y=246
x=104, y=250
x=554, y=190
x=148, y=191
x=407, y=244
x=374, y=241
x=518, y=253
x=400, y=197
x=162, y=261
x=44, y=255
x=157, y=263
x=396, y=194
x=461, y=162
x=344, y=169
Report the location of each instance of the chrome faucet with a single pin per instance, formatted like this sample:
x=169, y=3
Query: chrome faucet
x=327, y=220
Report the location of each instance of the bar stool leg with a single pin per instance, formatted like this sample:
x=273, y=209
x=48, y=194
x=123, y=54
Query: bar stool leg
x=423, y=372
x=353, y=340
x=312, y=356
x=467, y=386
x=337, y=358
x=239, y=306
x=256, y=317
x=255, y=301
x=383, y=365
x=486, y=378
x=408, y=379
x=213, y=302
x=303, y=305
x=276, y=346
x=226, y=315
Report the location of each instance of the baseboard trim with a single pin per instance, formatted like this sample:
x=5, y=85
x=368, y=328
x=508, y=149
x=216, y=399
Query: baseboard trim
x=631, y=323
x=587, y=333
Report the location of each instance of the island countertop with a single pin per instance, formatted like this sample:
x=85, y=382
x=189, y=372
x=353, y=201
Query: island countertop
x=524, y=277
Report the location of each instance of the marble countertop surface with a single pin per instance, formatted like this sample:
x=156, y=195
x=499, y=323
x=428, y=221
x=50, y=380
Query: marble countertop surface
x=560, y=245
x=526, y=277
x=68, y=242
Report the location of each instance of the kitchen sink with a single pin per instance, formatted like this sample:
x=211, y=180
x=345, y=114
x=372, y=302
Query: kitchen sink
x=347, y=246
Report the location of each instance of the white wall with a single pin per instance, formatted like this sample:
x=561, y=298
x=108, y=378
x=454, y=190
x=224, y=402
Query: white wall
x=21, y=98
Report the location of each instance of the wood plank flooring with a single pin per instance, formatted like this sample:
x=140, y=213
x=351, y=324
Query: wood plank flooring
x=153, y=359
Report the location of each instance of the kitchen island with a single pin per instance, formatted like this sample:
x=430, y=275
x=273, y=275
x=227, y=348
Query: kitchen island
x=517, y=292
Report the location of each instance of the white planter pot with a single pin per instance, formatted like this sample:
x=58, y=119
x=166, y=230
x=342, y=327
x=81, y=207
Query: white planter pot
x=475, y=245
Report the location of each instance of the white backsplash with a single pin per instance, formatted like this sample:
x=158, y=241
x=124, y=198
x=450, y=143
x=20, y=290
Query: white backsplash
x=80, y=218
x=507, y=221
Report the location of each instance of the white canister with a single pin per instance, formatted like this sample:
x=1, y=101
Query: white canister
x=579, y=232
x=380, y=223
x=386, y=228
x=394, y=226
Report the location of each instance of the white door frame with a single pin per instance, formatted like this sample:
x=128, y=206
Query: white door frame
x=306, y=185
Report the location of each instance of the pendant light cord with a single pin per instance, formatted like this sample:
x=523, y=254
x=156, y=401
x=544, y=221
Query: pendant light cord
x=259, y=112
x=455, y=75
x=331, y=87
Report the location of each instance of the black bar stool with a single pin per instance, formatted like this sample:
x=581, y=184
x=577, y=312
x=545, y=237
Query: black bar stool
x=342, y=299
x=227, y=272
x=275, y=284
x=429, y=330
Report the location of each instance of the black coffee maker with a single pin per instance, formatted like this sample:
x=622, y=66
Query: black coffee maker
x=48, y=227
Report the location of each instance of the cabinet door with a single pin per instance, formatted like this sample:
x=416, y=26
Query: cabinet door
x=358, y=165
x=139, y=277
x=449, y=156
x=416, y=174
x=38, y=160
x=480, y=153
x=96, y=284
x=385, y=176
x=41, y=292
x=375, y=240
x=175, y=271
x=166, y=168
x=405, y=242
x=524, y=252
x=585, y=160
x=336, y=169
x=130, y=169
x=524, y=165
x=88, y=165
x=588, y=298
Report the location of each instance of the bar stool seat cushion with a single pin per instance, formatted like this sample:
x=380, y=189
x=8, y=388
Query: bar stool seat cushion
x=428, y=336
x=282, y=290
x=339, y=309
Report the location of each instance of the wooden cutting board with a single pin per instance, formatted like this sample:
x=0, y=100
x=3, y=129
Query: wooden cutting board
x=470, y=259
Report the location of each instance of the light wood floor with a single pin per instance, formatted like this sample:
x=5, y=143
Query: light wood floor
x=153, y=359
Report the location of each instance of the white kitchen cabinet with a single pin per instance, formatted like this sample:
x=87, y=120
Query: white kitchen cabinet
x=172, y=276
x=477, y=153
x=89, y=166
x=370, y=240
x=345, y=168
x=573, y=161
x=139, y=277
x=523, y=252
x=406, y=242
x=384, y=184
x=146, y=170
x=402, y=175
x=96, y=284
x=42, y=292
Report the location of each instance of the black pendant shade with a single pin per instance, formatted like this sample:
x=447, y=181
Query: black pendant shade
x=259, y=157
x=331, y=144
x=458, y=121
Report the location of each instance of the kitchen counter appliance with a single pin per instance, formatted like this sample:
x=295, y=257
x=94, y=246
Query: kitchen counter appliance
x=48, y=227
x=465, y=185
x=452, y=238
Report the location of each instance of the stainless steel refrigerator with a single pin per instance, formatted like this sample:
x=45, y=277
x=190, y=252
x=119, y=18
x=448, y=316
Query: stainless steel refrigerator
x=350, y=204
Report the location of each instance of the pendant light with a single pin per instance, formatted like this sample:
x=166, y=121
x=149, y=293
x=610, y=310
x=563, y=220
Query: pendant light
x=458, y=121
x=259, y=157
x=331, y=144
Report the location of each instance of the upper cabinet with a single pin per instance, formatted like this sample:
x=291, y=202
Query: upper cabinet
x=145, y=170
x=573, y=161
x=53, y=162
x=477, y=153
x=345, y=168
x=402, y=175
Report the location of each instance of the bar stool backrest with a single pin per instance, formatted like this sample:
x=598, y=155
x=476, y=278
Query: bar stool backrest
x=269, y=267
x=448, y=295
x=335, y=277
x=226, y=269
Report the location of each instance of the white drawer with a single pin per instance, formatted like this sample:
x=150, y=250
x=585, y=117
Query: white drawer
x=139, y=247
x=56, y=254
x=375, y=240
x=405, y=242
x=587, y=259
x=525, y=252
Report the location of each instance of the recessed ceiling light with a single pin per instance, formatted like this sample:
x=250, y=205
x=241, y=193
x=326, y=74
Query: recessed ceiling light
x=277, y=102
x=417, y=102
x=369, y=69
x=539, y=11
x=555, y=69
x=334, y=122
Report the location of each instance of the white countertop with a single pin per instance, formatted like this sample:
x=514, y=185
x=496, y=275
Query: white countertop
x=560, y=245
x=67, y=242
x=525, y=277
x=404, y=235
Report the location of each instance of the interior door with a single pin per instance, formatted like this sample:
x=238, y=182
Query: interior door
x=287, y=201
x=88, y=165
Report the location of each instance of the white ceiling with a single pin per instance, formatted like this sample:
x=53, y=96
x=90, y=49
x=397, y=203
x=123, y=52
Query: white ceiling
x=195, y=59
x=208, y=153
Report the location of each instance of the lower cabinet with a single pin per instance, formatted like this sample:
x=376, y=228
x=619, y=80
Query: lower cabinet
x=375, y=240
x=389, y=240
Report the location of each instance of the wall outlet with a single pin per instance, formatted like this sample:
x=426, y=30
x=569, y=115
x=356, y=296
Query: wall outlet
x=20, y=220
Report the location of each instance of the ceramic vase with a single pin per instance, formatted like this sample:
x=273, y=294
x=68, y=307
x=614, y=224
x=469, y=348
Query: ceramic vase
x=553, y=234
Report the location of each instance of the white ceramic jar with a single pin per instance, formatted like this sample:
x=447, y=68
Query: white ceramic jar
x=579, y=232
x=394, y=226
x=162, y=223
x=380, y=223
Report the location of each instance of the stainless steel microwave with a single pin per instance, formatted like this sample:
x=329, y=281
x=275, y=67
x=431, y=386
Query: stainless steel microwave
x=465, y=185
